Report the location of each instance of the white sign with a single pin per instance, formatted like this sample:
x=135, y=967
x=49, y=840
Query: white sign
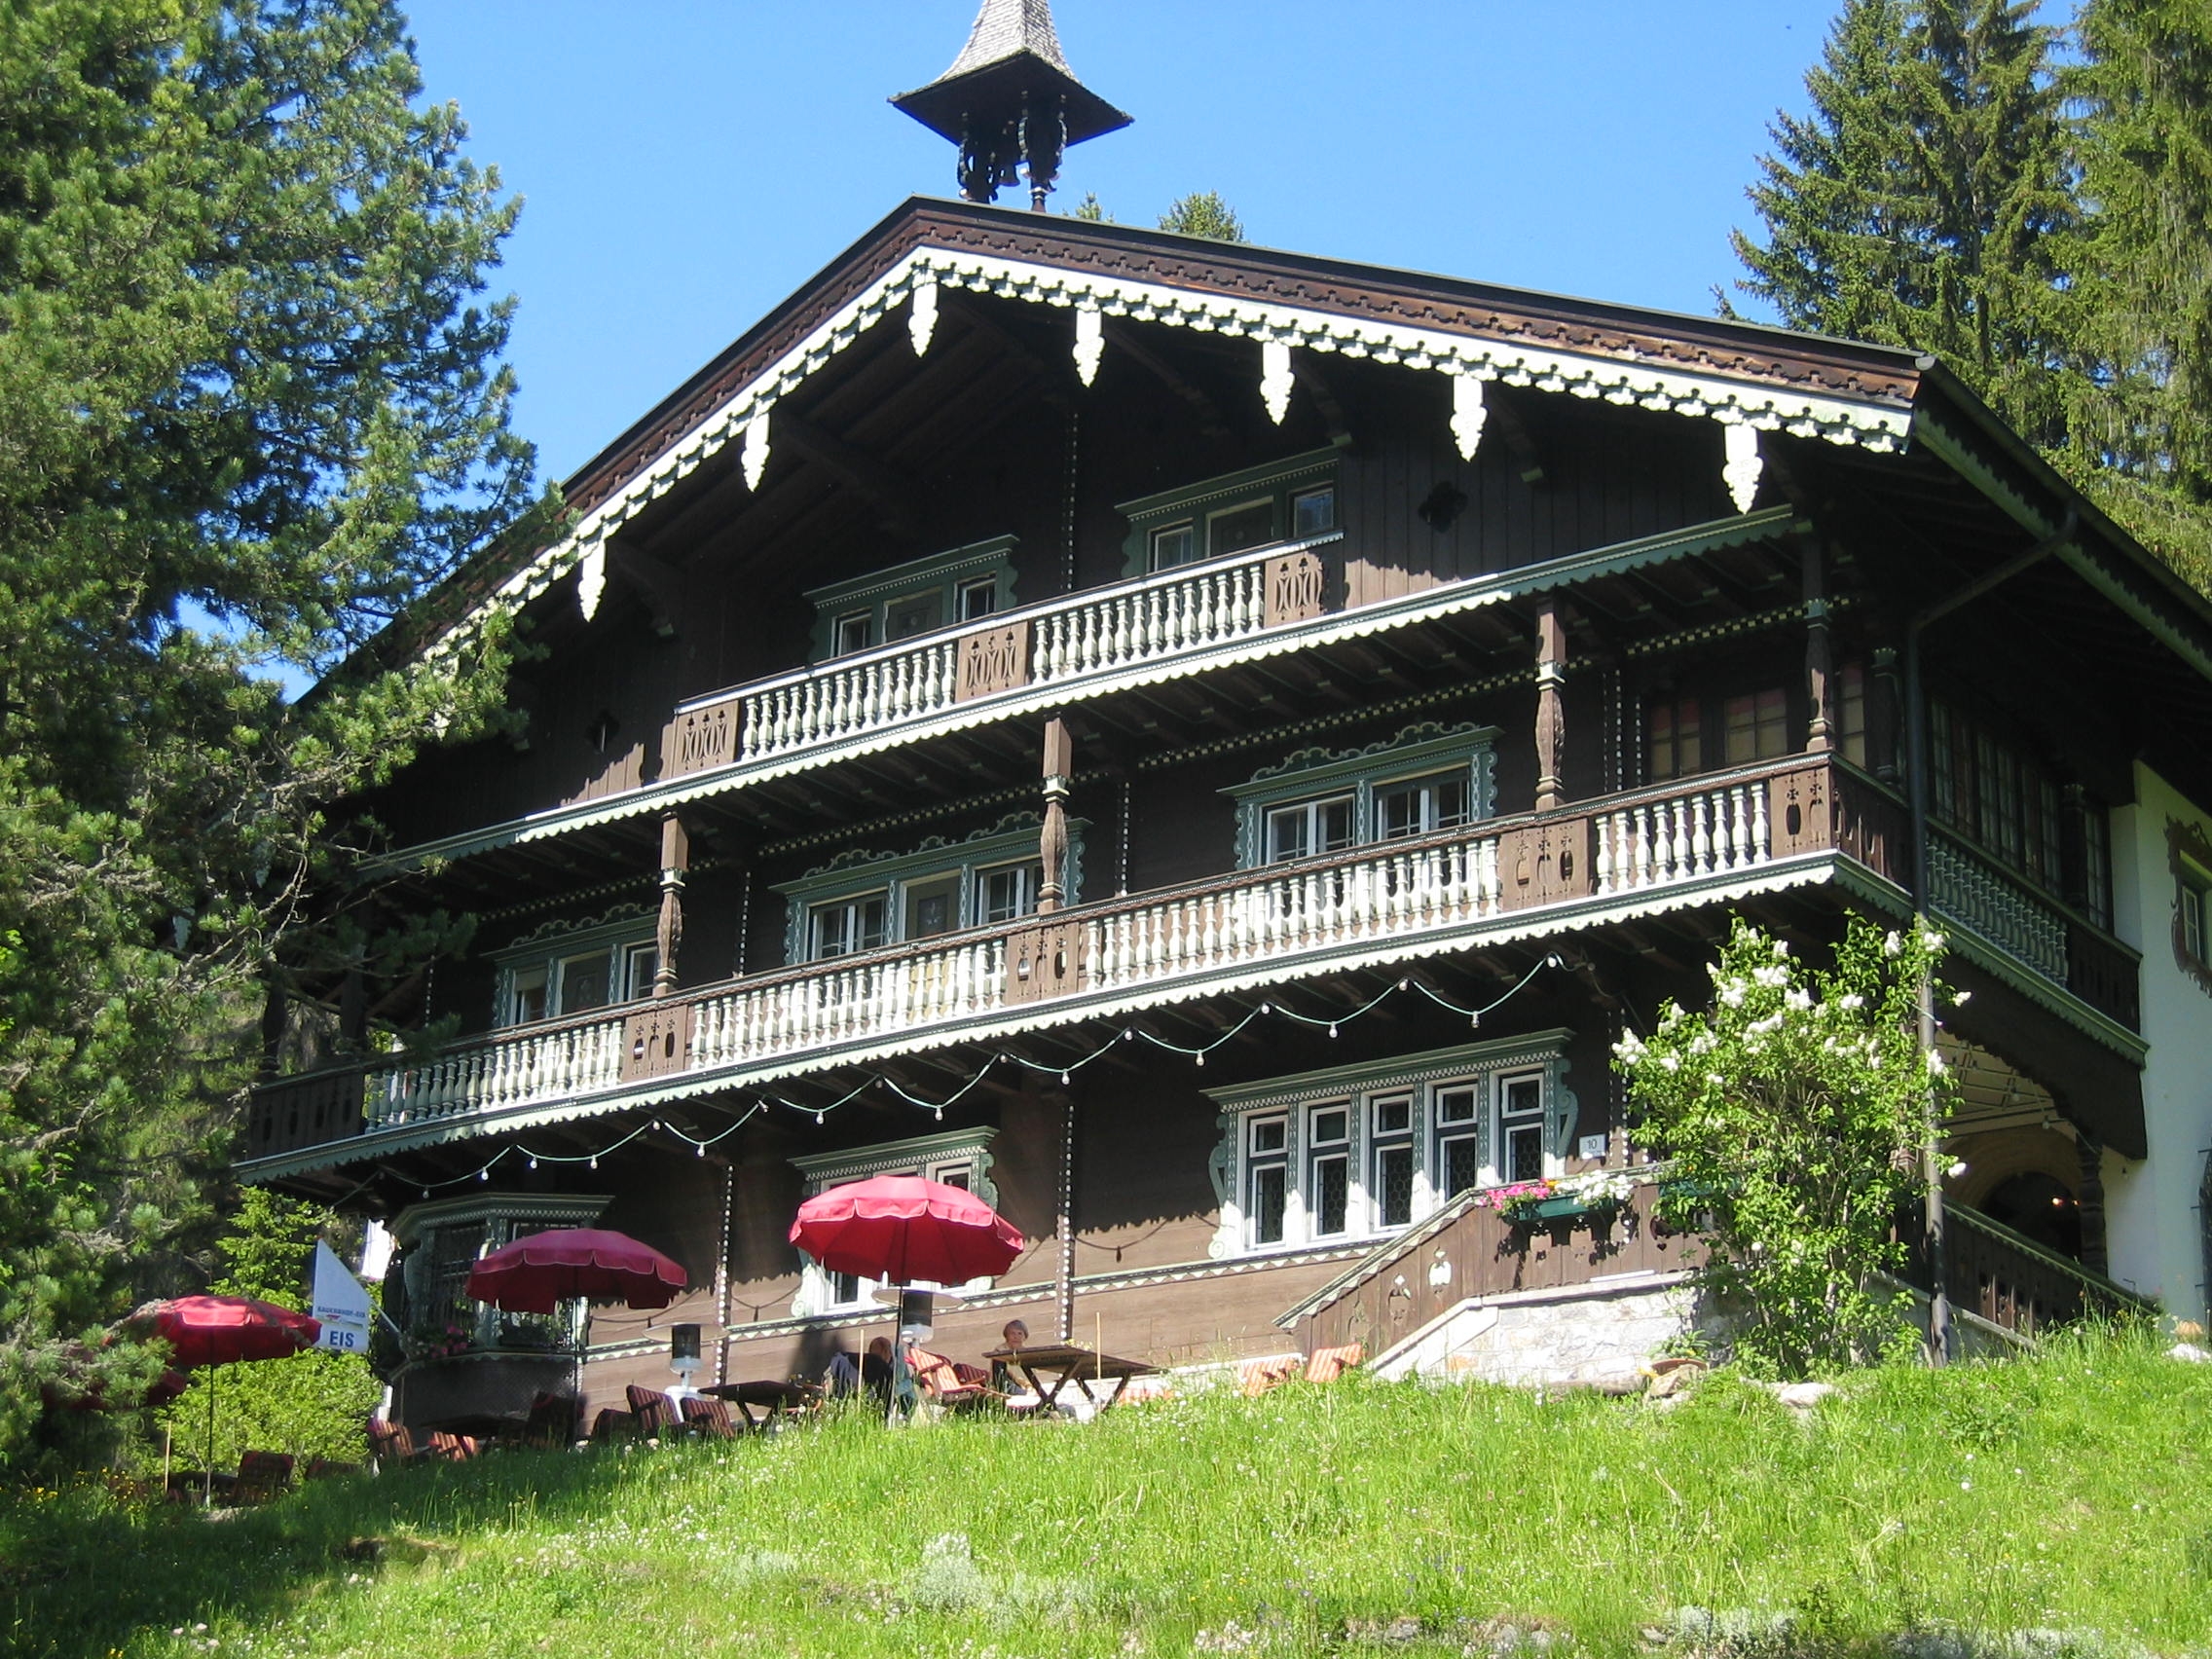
x=341, y=1304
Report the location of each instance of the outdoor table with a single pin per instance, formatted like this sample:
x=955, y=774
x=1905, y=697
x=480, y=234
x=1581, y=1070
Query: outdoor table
x=772, y=1397
x=1066, y=1363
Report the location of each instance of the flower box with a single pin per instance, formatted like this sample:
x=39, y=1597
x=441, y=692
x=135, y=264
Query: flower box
x=1563, y=1206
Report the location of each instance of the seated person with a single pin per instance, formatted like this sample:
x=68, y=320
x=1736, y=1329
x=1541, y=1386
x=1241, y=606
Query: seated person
x=1013, y=1339
x=869, y=1374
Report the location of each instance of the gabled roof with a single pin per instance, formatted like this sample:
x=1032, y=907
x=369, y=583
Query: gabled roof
x=1733, y=372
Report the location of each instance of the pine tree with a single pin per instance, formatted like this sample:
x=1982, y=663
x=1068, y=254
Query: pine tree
x=1203, y=213
x=251, y=405
x=1918, y=202
x=2139, y=308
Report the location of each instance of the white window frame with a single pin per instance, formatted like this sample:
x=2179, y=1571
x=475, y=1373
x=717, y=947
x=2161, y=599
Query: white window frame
x=1194, y=509
x=1316, y=778
x=624, y=948
x=1369, y=1096
x=960, y=1158
x=2193, y=897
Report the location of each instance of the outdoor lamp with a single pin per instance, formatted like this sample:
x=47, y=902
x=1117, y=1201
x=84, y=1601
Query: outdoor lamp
x=683, y=1349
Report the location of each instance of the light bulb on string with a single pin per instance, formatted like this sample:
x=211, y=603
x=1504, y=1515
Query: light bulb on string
x=485, y=1173
x=941, y=1114
x=1332, y=1028
x=1063, y=1078
x=595, y=1161
x=818, y=1117
x=534, y=1163
x=1200, y=1057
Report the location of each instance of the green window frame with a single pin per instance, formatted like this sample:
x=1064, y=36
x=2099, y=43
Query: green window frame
x=1291, y=501
x=948, y=590
x=1425, y=778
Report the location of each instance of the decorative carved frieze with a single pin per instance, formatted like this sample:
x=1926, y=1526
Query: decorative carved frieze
x=656, y=1041
x=702, y=739
x=1544, y=864
x=1295, y=584
x=1800, y=812
x=1044, y=960
x=992, y=660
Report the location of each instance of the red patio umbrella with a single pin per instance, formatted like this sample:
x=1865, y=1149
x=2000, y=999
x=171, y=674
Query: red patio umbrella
x=223, y=1329
x=535, y=1273
x=902, y=1228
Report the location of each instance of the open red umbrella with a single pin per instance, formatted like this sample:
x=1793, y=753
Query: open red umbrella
x=220, y=1330
x=535, y=1273
x=223, y=1329
x=901, y=1229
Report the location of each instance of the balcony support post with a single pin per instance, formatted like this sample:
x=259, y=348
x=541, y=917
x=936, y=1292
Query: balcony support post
x=1551, y=714
x=1053, y=843
x=1820, y=732
x=674, y=860
x=2090, y=1204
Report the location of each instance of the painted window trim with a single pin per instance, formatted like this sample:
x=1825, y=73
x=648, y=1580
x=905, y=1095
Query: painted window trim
x=822, y=1170
x=852, y=877
x=618, y=932
x=2188, y=859
x=943, y=573
x=498, y=1218
x=1419, y=1075
x=1313, y=774
x=1276, y=480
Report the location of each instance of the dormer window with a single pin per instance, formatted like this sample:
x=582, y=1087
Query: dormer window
x=563, y=969
x=886, y=608
x=1292, y=500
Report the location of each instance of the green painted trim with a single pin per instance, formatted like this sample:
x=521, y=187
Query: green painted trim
x=938, y=572
x=1278, y=480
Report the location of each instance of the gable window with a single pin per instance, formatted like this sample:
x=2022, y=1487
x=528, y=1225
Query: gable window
x=1293, y=501
x=568, y=969
x=886, y=608
x=864, y=901
x=1425, y=780
x=960, y=1159
x=1363, y=1150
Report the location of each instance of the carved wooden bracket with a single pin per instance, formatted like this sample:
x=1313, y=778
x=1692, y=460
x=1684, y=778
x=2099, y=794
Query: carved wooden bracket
x=1800, y=813
x=1544, y=864
x=656, y=1041
x=993, y=659
x=1044, y=960
x=701, y=739
x=1294, y=583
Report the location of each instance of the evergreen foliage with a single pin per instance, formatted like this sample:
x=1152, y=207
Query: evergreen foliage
x=251, y=405
x=1918, y=204
x=1203, y=213
x=1790, y=1111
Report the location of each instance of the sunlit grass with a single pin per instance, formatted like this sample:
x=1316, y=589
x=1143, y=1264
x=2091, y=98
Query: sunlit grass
x=2064, y=1493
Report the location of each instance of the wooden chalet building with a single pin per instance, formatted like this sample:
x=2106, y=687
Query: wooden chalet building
x=1211, y=747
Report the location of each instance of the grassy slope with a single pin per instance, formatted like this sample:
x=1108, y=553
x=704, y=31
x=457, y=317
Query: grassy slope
x=2068, y=1492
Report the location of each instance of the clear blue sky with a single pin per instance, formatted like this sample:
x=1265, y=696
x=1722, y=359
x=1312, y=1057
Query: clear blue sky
x=686, y=164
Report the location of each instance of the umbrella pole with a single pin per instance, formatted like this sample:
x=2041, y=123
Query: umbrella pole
x=207, y=1470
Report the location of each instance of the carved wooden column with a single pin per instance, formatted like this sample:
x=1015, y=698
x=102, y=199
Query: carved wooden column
x=1551, y=714
x=1060, y=775
x=674, y=860
x=1819, y=729
x=1885, y=702
x=2090, y=1202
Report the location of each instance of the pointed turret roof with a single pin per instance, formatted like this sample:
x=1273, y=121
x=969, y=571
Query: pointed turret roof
x=1012, y=55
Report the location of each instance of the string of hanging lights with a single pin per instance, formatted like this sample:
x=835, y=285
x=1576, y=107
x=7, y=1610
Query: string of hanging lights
x=1065, y=1070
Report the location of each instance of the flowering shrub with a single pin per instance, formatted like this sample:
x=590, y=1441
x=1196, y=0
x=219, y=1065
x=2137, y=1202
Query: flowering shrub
x=1791, y=1111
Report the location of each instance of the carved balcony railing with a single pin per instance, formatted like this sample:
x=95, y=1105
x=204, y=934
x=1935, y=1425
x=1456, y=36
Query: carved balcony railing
x=2033, y=930
x=2009, y=1279
x=1175, y=614
x=1372, y=904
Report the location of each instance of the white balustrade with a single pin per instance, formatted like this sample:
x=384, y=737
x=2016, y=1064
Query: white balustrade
x=1270, y=916
x=1166, y=615
x=1682, y=837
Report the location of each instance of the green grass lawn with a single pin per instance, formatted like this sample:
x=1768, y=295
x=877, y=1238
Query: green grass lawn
x=2061, y=1494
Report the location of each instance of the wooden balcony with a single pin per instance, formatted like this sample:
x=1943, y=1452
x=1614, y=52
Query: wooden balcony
x=2033, y=930
x=1710, y=839
x=1154, y=623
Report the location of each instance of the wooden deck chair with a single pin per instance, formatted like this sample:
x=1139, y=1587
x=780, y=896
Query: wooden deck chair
x=551, y=1424
x=262, y=1476
x=392, y=1443
x=656, y=1414
x=452, y=1448
x=1329, y=1364
x=1255, y=1376
x=614, y=1423
x=955, y=1387
x=327, y=1469
x=710, y=1417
